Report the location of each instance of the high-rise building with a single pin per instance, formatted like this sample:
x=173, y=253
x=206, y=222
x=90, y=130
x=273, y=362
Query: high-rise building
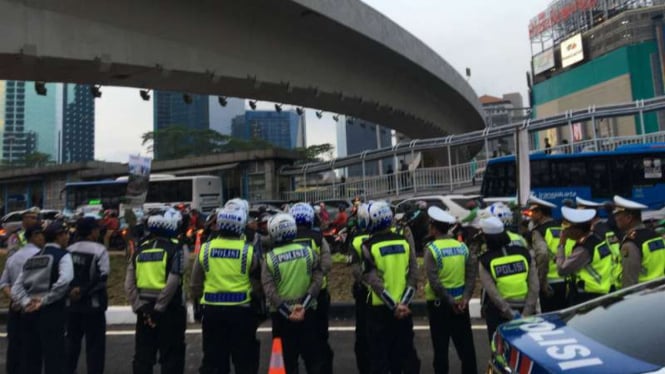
x=60, y=124
x=501, y=111
x=284, y=129
x=202, y=112
x=595, y=53
x=355, y=136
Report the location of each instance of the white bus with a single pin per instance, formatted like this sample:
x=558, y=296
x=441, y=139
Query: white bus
x=200, y=192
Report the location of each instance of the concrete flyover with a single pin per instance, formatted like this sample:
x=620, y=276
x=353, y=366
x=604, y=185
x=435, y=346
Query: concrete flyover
x=337, y=55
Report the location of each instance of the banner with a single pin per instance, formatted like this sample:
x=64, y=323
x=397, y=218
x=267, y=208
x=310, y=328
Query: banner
x=572, y=51
x=543, y=61
x=138, y=180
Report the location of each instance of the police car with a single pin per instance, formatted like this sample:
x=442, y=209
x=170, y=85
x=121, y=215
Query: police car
x=622, y=332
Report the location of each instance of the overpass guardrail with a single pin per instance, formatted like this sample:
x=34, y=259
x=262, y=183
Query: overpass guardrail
x=443, y=180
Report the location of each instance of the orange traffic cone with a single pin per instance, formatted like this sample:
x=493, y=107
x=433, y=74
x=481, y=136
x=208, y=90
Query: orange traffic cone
x=197, y=243
x=276, y=358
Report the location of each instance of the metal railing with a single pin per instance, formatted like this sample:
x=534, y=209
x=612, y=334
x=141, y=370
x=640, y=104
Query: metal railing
x=636, y=108
x=444, y=179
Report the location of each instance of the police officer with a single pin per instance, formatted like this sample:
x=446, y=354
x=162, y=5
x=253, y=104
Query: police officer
x=18, y=240
x=391, y=273
x=35, y=236
x=225, y=277
x=505, y=214
x=291, y=277
x=153, y=285
x=41, y=290
x=88, y=299
x=641, y=248
x=604, y=230
x=545, y=237
x=303, y=213
x=451, y=276
x=590, y=262
x=359, y=289
x=508, y=276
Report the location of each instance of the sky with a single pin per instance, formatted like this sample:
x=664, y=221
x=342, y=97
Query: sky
x=488, y=36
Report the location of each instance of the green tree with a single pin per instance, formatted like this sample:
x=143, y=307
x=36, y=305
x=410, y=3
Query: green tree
x=35, y=159
x=316, y=152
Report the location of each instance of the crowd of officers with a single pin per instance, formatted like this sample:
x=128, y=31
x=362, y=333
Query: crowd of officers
x=245, y=274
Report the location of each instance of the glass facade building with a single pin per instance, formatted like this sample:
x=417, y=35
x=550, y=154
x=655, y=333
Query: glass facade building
x=203, y=112
x=284, y=129
x=355, y=136
x=60, y=124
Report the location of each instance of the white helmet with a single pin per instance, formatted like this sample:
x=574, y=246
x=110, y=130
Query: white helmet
x=363, y=216
x=165, y=224
x=232, y=220
x=282, y=228
x=502, y=212
x=237, y=203
x=380, y=216
x=303, y=213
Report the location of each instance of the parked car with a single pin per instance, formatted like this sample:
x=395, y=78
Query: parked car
x=11, y=222
x=457, y=205
x=622, y=332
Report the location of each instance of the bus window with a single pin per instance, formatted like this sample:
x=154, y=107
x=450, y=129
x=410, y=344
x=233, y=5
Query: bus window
x=568, y=173
x=541, y=175
x=599, y=179
x=169, y=191
x=622, y=176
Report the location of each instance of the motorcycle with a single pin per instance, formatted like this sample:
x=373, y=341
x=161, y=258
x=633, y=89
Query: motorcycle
x=336, y=239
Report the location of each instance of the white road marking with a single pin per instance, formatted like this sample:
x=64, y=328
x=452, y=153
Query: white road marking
x=268, y=329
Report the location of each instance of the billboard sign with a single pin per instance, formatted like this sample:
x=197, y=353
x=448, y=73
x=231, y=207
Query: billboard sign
x=572, y=51
x=543, y=61
x=139, y=177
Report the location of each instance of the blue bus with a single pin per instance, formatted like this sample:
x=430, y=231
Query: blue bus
x=633, y=171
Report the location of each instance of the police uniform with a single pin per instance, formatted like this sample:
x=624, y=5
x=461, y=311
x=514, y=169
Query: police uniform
x=88, y=300
x=508, y=276
x=590, y=262
x=225, y=276
x=154, y=288
x=360, y=293
x=451, y=275
x=642, y=249
x=12, y=270
x=291, y=277
x=314, y=239
x=41, y=290
x=18, y=240
x=603, y=230
x=391, y=273
x=545, y=238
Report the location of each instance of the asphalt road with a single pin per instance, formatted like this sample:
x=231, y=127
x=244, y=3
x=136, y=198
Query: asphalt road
x=120, y=346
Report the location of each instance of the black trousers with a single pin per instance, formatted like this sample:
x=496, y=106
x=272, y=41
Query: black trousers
x=299, y=339
x=390, y=342
x=229, y=333
x=445, y=324
x=43, y=340
x=92, y=325
x=555, y=302
x=361, y=345
x=322, y=313
x=493, y=318
x=13, y=363
x=167, y=339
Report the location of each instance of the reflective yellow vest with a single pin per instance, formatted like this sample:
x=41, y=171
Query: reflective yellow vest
x=615, y=247
x=291, y=266
x=517, y=239
x=596, y=276
x=357, y=244
x=653, y=254
x=511, y=275
x=392, y=262
x=450, y=257
x=310, y=242
x=551, y=234
x=226, y=263
x=151, y=269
